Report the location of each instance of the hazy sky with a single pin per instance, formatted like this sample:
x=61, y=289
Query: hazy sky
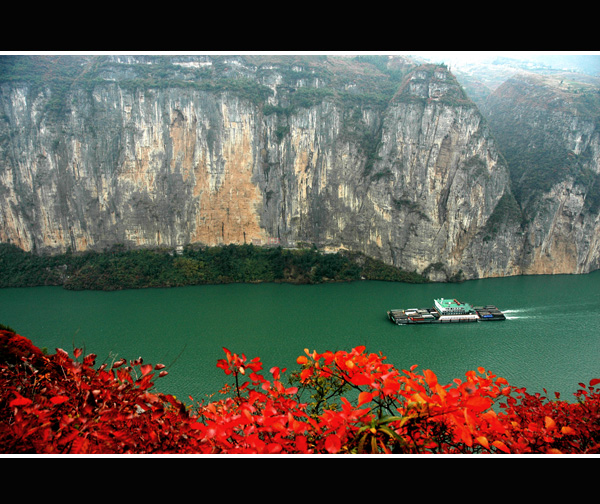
x=480, y=56
x=433, y=55
x=449, y=57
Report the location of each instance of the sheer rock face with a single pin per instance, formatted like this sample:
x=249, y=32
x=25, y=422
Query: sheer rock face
x=141, y=168
x=548, y=128
x=418, y=182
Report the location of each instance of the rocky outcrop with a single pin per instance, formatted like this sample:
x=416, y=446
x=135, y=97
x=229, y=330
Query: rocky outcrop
x=548, y=129
x=382, y=156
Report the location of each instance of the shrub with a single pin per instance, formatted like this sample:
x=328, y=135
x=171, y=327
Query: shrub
x=62, y=404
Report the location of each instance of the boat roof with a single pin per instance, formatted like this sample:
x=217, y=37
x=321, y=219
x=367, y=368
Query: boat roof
x=452, y=303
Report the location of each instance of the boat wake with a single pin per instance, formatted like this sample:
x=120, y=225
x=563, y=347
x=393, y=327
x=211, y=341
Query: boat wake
x=519, y=313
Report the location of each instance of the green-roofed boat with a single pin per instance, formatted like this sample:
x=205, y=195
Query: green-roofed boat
x=446, y=310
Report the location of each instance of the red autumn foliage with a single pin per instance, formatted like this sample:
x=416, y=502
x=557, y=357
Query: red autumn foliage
x=62, y=404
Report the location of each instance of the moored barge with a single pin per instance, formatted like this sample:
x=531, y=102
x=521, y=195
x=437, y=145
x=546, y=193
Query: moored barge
x=446, y=311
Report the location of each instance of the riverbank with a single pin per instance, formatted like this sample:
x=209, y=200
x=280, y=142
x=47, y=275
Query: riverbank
x=118, y=269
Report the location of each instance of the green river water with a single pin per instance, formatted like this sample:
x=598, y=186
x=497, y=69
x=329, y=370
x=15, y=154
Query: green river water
x=551, y=339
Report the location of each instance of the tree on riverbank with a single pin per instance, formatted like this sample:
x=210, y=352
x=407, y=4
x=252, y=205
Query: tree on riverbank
x=337, y=402
x=119, y=268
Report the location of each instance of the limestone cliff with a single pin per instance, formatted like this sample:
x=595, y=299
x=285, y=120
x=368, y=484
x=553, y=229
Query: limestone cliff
x=548, y=129
x=377, y=155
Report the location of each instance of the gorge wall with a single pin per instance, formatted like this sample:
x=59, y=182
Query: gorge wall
x=383, y=156
x=548, y=127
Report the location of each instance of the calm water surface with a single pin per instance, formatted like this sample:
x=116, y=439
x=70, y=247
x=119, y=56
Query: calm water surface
x=551, y=338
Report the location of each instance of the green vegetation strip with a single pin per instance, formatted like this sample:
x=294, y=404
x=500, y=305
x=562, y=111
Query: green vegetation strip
x=118, y=268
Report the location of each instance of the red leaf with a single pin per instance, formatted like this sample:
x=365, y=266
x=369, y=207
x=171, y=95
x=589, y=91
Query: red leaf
x=118, y=363
x=89, y=359
x=274, y=448
x=364, y=397
x=478, y=403
x=20, y=401
x=501, y=446
x=333, y=444
x=431, y=378
x=594, y=382
x=301, y=445
x=59, y=399
x=359, y=379
x=305, y=374
x=146, y=368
